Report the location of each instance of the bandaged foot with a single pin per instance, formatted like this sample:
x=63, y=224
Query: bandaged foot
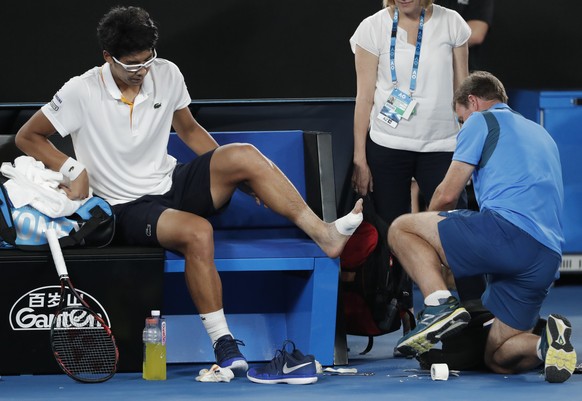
x=334, y=239
x=349, y=223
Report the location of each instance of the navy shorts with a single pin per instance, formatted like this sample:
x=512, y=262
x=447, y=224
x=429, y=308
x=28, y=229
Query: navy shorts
x=519, y=269
x=136, y=221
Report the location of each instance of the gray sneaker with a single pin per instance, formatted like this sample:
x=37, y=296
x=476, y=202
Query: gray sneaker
x=434, y=323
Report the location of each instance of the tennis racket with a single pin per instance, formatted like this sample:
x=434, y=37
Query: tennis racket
x=82, y=343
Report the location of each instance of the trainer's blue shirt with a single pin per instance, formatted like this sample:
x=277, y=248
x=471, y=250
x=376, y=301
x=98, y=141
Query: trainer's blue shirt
x=517, y=171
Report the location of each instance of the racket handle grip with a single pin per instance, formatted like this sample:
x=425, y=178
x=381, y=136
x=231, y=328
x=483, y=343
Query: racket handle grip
x=53, y=241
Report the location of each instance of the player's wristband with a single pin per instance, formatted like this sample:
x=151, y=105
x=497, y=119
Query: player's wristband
x=71, y=169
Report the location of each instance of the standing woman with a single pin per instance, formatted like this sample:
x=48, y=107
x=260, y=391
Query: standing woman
x=409, y=56
x=415, y=52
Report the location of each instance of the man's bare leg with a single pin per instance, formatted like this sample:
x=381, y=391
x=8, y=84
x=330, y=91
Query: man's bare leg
x=509, y=350
x=192, y=236
x=243, y=163
x=415, y=241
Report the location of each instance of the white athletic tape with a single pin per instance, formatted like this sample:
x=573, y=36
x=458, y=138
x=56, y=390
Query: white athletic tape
x=439, y=371
x=347, y=225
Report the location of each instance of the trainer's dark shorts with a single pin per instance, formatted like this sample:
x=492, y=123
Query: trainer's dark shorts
x=519, y=269
x=136, y=221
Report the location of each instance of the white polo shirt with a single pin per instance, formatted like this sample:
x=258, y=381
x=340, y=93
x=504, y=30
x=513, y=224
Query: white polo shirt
x=123, y=149
x=434, y=127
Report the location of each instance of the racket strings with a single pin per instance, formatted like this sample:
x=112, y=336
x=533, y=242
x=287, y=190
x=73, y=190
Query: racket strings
x=86, y=353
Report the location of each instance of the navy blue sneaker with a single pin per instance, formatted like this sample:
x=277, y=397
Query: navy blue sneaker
x=557, y=350
x=286, y=367
x=434, y=323
x=228, y=355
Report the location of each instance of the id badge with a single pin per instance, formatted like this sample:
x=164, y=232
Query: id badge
x=389, y=115
x=398, y=106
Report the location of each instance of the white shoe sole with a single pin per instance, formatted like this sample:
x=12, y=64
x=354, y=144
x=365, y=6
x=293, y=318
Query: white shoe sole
x=239, y=368
x=286, y=380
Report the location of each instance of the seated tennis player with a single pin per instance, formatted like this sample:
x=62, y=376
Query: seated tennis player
x=119, y=116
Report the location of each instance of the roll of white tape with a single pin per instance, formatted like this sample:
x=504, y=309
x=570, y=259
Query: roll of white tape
x=439, y=371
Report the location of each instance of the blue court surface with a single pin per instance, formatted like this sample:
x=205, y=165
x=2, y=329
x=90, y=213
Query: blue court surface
x=392, y=378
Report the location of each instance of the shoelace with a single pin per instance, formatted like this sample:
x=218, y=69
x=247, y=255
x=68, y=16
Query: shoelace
x=228, y=347
x=279, y=360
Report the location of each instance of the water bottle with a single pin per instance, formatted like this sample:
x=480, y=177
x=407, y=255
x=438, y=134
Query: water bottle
x=154, y=347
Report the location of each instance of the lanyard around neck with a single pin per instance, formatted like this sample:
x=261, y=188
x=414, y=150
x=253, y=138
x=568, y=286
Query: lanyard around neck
x=416, y=61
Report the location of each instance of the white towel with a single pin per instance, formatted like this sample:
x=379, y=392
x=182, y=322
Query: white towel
x=32, y=184
x=215, y=374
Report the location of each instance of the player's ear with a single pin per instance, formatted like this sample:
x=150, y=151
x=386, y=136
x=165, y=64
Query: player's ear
x=107, y=57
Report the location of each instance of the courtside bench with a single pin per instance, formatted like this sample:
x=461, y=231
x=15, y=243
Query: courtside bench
x=277, y=283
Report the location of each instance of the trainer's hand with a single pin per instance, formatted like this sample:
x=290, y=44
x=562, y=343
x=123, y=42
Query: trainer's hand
x=79, y=188
x=362, y=181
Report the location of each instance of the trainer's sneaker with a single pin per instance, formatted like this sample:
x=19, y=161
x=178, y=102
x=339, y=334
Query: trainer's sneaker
x=434, y=323
x=286, y=367
x=228, y=355
x=557, y=350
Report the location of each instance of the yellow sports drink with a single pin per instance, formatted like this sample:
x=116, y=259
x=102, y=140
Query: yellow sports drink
x=154, y=352
x=154, y=364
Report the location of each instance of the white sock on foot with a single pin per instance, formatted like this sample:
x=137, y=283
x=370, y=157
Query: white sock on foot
x=347, y=225
x=434, y=298
x=215, y=324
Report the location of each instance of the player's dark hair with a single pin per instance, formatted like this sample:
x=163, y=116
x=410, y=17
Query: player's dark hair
x=482, y=84
x=127, y=30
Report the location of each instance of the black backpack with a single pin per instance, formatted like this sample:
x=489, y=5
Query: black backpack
x=373, y=283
